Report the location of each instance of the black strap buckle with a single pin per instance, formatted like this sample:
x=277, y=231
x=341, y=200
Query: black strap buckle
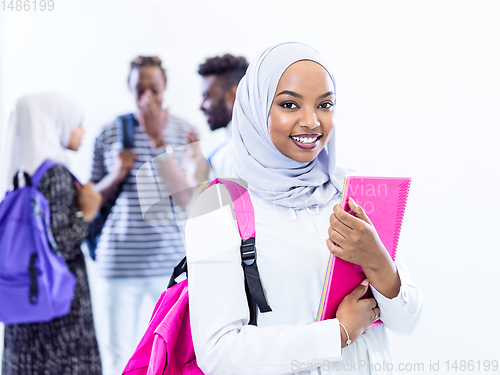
x=248, y=251
x=178, y=270
x=253, y=286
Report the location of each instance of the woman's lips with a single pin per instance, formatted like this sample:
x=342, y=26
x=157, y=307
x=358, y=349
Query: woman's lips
x=306, y=141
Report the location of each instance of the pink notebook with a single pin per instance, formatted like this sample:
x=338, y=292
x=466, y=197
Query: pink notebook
x=384, y=202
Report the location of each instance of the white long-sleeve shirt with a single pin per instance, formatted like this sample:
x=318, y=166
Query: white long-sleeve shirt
x=292, y=257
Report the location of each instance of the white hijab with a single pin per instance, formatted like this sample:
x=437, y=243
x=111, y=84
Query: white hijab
x=39, y=129
x=270, y=174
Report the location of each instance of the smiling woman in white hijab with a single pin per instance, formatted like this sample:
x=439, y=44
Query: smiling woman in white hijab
x=41, y=128
x=284, y=148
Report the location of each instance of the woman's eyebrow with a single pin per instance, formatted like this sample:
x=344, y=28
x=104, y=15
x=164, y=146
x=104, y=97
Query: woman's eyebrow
x=291, y=93
x=325, y=95
x=294, y=94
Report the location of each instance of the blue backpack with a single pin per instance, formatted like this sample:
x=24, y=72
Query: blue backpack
x=126, y=135
x=35, y=282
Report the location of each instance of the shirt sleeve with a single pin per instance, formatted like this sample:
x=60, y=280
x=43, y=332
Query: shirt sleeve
x=402, y=313
x=68, y=230
x=224, y=343
x=98, y=169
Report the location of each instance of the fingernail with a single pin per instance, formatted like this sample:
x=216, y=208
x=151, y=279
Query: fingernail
x=364, y=282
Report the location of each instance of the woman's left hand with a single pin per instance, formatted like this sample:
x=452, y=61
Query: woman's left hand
x=354, y=238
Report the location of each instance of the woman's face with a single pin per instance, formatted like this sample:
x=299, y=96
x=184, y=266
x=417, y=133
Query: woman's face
x=75, y=140
x=301, y=118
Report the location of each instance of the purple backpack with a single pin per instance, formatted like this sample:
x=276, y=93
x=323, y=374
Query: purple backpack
x=35, y=282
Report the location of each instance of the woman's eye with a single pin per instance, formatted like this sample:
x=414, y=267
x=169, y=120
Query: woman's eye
x=289, y=105
x=326, y=105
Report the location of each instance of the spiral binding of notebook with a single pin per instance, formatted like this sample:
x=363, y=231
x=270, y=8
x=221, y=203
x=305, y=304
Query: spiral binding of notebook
x=404, y=188
x=384, y=201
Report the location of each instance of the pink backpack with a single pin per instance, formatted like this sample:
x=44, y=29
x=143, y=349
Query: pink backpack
x=167, y=346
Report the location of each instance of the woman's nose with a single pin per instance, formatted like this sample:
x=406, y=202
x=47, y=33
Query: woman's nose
x=309, y=119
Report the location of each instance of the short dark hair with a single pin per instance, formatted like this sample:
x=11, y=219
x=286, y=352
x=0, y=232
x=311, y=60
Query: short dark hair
x=141, y=61
x=228, y=67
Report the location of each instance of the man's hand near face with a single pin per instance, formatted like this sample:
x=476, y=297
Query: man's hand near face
x=152, y=119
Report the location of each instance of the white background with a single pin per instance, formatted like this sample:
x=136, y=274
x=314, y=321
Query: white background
x=418, y=96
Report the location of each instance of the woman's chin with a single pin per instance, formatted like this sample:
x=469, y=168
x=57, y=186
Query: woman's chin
x=304, y=157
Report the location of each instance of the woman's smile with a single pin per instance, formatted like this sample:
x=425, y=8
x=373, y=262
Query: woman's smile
x=306, y=141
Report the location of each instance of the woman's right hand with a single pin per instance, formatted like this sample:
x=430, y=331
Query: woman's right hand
x=357, y=314
x=89, y=200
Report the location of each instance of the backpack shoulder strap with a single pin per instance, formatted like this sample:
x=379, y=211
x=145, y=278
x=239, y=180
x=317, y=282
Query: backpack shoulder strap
x=40, y=172
x=245, y=217
x=126, y=131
